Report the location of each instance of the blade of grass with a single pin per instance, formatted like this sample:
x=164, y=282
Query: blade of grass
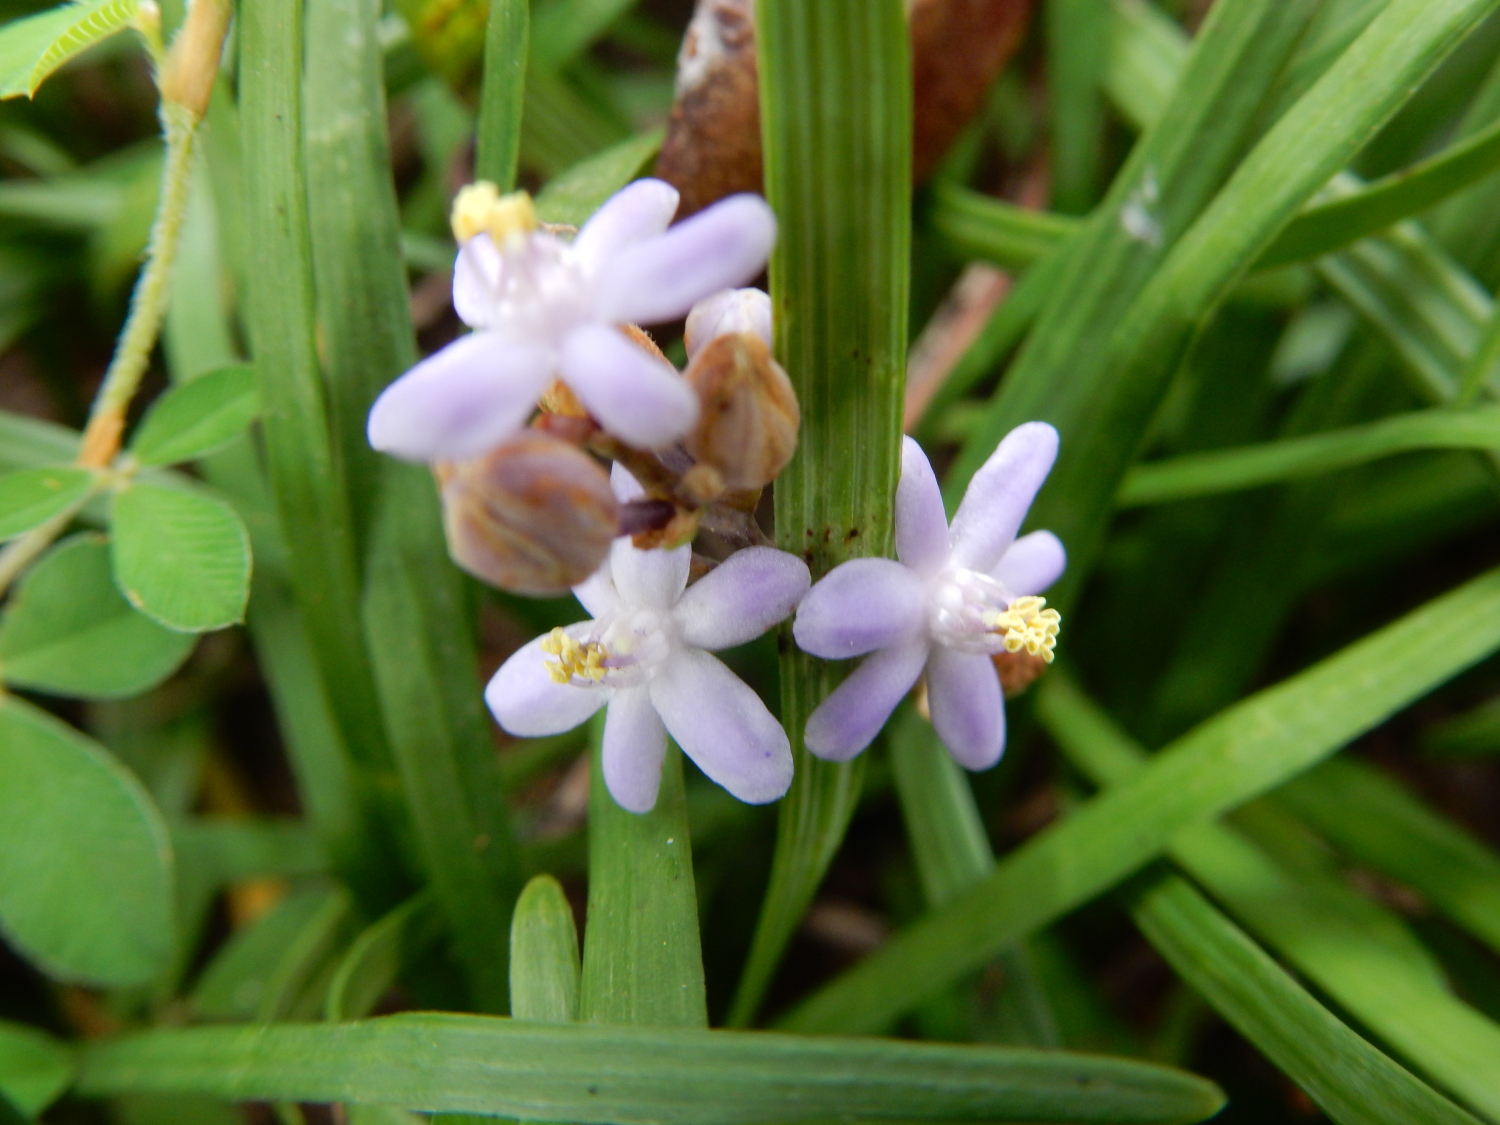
x=835, y=87
x=1207, y=474
x=574, y=1072
x=1077, y=53
x=1243, y=752
x=1350, y=947
x=501, y=97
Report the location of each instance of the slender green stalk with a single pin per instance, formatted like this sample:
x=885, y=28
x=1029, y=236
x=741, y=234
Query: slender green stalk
x=1483, y=364
x=835, y=91
x=306, y=470
x=502, y=95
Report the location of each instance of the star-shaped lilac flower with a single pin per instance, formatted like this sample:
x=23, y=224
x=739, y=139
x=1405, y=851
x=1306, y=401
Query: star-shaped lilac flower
x=645, y=655
x=542, y=306
x=955, y=598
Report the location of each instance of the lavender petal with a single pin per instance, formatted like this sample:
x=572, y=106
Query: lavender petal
x=476, y=279
x=635, y=742
x=634, y=395
x=461, y=401
x=734, y=310
x=1032, y=564
x=723, y=726
x=850, y=718
x=662, y=278
x=651, y=579
x=1000, y=495
x=921, y=522
x=525, y=701
x=741, y=598
x=859, y=606
x=636, y=212
x=968, y=711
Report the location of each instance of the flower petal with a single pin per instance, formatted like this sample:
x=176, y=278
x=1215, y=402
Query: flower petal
x=723, y=726
x=859, y=606
x=596, y=593
x=662, y=278
x=476, y=279
x=921, y=522
x=634, y=395
x=526, y=702
x=742, y=597
x=638, y=211
x=654, y=578
x=963, y=693
x=850, y=718
x=461, y=401
x=1032, y=564
x=1000, y=495
x=733, y=310
x=635, y=742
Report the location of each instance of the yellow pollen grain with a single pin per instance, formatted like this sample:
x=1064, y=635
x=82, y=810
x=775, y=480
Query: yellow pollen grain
x=575, y=658
x=480, y=208
x=1025, y=623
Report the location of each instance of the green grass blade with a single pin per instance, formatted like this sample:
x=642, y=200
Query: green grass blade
x=1380, y=824
x=417, y=624
x=231, y=850
x=304, y=466
x=1208, y=474
x=1078, y=34
x=544, y=965
x=502, y=95
x=835, y=87
x=1349, y=1079
x=1243, y=752
x=635, y=1076
x=374, y=960
x=572, y=197
x=642, y=961
x=1329, y=226
x=980, y=226
x=1351, y=948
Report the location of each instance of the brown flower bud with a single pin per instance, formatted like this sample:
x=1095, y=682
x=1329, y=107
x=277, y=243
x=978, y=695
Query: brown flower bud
x=747, y=426
x=534, y=516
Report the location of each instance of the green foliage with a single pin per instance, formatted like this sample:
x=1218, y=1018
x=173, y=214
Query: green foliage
x=68, y=630
x=34, y=1068
x=180, y=556
x=85, y=861
x=33, y=496
x=544, y=964
x=198, y=418
x=33, y=47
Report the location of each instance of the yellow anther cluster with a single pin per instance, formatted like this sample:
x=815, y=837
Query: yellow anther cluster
x=1027, y=624
x=575, y=658
x=480, y=208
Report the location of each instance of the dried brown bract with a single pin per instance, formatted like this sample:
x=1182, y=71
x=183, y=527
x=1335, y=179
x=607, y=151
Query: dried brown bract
x=535, y=515
x=748, y=420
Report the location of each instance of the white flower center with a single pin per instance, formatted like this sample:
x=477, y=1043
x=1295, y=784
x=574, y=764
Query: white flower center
x=973, y=612
x=622, y=649
x=540, y=290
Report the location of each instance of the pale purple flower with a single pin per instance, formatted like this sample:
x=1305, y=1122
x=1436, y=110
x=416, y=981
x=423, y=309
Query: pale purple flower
x=954, y=599
x=544, y=307
x=645, y=655
x=733, y=310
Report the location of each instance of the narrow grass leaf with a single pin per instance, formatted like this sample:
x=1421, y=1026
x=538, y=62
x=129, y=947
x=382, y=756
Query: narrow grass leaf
x=182, y=558
x=980, y=226
x=544, y=965
x=68, y=631
x=836, y=121
x=1377, y=822
x=376, y=958
x=31, y=497
x=1348, y=1078
x=503, y=92
x=33, y=47
x=570, y=198
x=636, y=1076
x=86, y=885
x=642, y=960
x=197, y=418
x=1239, y=754
x=34, y=1067
x=1227, y=470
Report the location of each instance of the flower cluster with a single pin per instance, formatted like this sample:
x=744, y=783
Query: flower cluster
x=532, y=509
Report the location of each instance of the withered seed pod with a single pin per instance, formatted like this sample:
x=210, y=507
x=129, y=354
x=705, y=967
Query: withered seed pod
x=534, y=516
x=748, y=419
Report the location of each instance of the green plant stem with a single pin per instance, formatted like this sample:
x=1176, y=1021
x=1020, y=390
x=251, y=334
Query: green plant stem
x=501, y=97
x=835, y=90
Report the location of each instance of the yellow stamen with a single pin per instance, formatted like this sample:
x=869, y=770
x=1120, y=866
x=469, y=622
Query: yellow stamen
x=575, y=658
x=480, y=208
x=1026, y=624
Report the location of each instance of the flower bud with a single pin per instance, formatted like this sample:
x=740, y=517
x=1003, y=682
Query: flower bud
x=534, y=516
x=748, y=421
x=733, y=310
